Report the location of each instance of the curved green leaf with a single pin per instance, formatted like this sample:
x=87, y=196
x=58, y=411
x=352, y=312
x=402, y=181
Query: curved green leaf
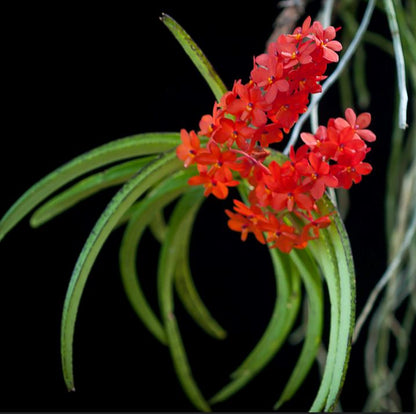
x=282, y=320
x=129, y=147
x=181, y=218
x=158, y=226
x=333, y=252
x=324, y=253
x=340, y=241
x=144, y=215
x=85, y=188
x=165, y=165
x=198, y=58
x=188, y=294
x=145, y=210
x=309, y=272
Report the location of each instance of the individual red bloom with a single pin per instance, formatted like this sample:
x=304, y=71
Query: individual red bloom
x=223, y=161
x=268, y=134
x=314, y=141
x=287, y=192
x=246, y=220
x=250, y=106
x=306, y=78
x=298, y=158
x=318, y=174
x=350, y=168
x=209, y=123
x=261, y=194
x=190, y=147
x=286, y=109
x=324, y=40
x=358, y=124
x=228, y=98
x=294, y=53
x=311, y=230
x=280, y=235
x=269, y=76
x=216, y=184
x=341, y=142
x=229, y=131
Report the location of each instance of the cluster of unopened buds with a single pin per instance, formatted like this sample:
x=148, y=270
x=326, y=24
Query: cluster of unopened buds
x=282, y=209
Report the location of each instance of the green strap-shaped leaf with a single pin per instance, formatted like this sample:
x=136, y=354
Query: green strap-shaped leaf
x=181, y=218
x=163, y=194
x=282, y=319
x=85, y=188
x=284, y=314
x=333, y=252
x=130, y=147
x=158, y=226
x=165, y=165
x=188, y=293
x=325, y=255
x=311, y=278
x=342, y=247
x=197, y=56
x=281, y=322
x=144, y=215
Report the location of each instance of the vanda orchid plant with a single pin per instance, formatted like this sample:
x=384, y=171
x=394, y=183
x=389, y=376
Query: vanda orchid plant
x=286, y=200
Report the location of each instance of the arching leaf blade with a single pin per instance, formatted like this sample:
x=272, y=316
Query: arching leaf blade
x=333, y=251
x=124, y=148
x=181, y=217
x=284, y=286
x=284, y=313
x=165, y=165
x=158, y=226
x=310, y=275
x=197, y=56
x=187, y=292
x=90, y=185
x=281, y=322
x=324, y=253
x=340, y=241
x=164, y=193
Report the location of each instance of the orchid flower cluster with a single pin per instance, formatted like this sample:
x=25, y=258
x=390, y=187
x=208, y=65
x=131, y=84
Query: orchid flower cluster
x=282, y=209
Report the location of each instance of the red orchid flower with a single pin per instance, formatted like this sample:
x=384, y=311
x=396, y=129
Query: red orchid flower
x=250, y=106
x=190, y=147
x=358, y=124
x=246, y=220
x=318, y=174
x=216, y=184
x=324, y=40
x=280, y=235
x=269, y=76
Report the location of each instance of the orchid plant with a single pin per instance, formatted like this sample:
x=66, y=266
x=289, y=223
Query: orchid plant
x=285, y=199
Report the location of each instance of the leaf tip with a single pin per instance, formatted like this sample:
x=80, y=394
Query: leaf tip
x=277, y=405
x=222, y=334
x=34, y=222
x=164, y=17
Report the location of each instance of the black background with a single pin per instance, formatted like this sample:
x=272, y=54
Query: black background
x=78, y=77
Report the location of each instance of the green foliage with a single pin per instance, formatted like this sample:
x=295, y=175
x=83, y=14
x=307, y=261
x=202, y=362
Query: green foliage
x=151, y=179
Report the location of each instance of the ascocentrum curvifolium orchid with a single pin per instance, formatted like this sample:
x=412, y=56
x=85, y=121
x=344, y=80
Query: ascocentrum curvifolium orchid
x=284, y=205
x=254, y=115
